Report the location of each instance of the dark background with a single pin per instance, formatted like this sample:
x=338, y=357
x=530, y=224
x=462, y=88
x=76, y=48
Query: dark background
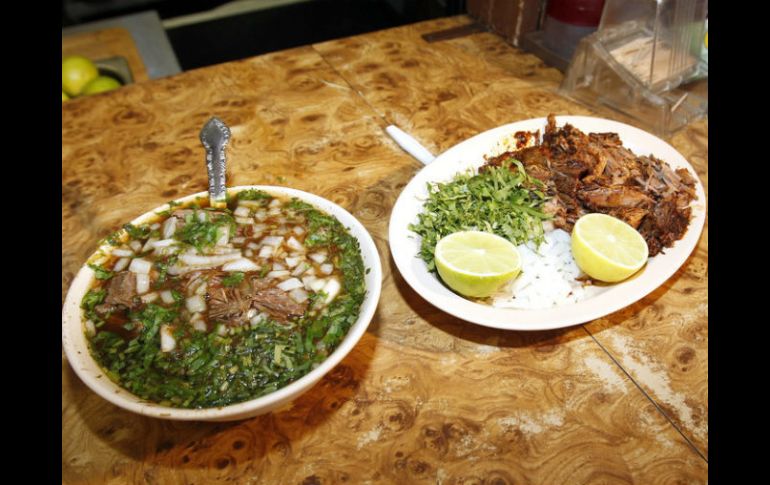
x=254, y=33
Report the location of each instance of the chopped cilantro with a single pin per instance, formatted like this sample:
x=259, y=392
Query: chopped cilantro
x=233, y=279
x=500, y=200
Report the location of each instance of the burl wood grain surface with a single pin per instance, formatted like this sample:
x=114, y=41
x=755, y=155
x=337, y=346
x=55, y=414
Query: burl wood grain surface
x=424, y=397
x=106, y=43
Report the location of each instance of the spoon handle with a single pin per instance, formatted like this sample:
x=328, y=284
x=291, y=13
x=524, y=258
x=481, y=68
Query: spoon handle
x=214, y=136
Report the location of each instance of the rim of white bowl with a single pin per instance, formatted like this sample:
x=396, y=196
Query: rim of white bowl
x=84, y=365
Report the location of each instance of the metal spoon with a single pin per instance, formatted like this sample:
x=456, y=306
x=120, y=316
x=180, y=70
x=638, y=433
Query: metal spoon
x=214, y=136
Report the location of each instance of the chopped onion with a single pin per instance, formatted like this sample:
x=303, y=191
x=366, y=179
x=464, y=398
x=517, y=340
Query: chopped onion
x=202, y=216
x=209, y=261
x=201, y=289
x=278, y=266
x=266, y=251
x=248, y=253
x=295, y=245
x=318, y=285
x=274, y=203
x=238, y=240
x=121, y=264
x=252, y=245
x=244, y=220
x=175, y=269
x=149, y=244
x=167, y=297
x=242, y=264
x=90, y=328
x=327, y=268
x=301, y=268
x=241, y=211
x=299, y=230
x=257, y=319
x=274, y=241
x=167, y=250
x=221, y=330
x=277, y=274
x=155, y=226
x=123, y=253
x=142, y=283
x=169, y=227
x=167, y=340
x=291, y=262
x=318, y=257
x=314, y=284
x=332, y=288
x=199, y=325
x=251, y=313
x=195, y=303
x=258, y=228
x=274, y=211
x=136, y=246
x=307, y=280
x=150, y=297
x=224, y=235
x=299, y=295
x=290, y=284
x=260, y=215
x=163, y=243
x=140, y=266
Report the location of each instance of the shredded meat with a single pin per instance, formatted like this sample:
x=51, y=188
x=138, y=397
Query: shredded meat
x=595, y=173
x=231, y=305
x=278, y=304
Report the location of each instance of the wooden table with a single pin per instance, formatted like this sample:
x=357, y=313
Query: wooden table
x=424, y=397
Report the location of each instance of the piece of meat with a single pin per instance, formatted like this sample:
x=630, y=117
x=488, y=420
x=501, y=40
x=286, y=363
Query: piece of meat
x=121, y=293
x=632, y=216
x=278, y=304
x=614, y=197
x=121, y=289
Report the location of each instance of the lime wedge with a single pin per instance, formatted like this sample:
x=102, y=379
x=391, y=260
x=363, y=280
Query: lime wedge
x=475, y=263
x=606, y=248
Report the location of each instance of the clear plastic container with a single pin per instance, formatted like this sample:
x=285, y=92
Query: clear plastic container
x=643, y=51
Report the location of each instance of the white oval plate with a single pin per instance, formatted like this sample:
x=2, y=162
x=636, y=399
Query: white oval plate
x=405, y=245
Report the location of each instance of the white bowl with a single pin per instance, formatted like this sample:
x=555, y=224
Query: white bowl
x=76, y=347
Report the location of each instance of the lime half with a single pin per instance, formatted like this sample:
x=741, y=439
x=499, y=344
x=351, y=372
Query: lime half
x=606, y=248
x=475, y=263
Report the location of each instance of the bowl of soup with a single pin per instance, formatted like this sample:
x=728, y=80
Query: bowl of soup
x=192, y=312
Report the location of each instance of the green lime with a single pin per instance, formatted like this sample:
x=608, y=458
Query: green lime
x=475, y=263
x=76, y=72
x=101, y=84
x=606, y=248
